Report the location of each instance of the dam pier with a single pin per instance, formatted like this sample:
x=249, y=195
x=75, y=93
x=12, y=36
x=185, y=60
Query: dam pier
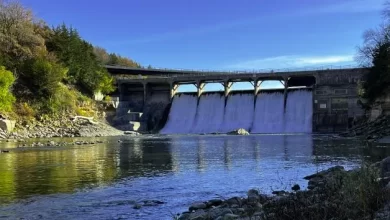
x=323, y=100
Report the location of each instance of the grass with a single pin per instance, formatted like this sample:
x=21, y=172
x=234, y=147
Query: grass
x=349, y=195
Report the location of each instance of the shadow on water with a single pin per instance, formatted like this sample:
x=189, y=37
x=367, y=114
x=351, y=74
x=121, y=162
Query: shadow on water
x=180, y=169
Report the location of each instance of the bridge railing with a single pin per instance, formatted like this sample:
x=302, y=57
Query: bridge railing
x=205, y=72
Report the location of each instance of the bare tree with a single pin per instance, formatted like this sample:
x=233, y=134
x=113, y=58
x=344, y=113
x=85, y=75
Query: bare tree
x=373, y=39
x=18, y=37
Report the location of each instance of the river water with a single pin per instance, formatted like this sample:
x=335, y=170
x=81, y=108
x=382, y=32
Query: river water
x=104, y=181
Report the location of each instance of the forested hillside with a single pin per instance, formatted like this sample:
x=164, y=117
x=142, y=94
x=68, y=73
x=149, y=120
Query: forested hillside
x=48, y=70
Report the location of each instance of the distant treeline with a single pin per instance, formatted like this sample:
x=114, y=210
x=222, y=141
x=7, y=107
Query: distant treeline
x=45, y=70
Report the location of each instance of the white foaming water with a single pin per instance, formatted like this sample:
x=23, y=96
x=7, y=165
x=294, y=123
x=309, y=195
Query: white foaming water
x=238, y=113
x=210, y=112
x=267, y=116
x=269, y=113
x=299, y=112
x=182, y=115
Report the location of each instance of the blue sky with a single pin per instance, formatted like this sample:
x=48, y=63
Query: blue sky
x=220, y=34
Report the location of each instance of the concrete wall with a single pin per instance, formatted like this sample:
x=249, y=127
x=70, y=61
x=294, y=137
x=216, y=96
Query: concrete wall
x=336, y=107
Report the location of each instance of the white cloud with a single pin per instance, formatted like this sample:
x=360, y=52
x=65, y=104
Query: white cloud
x=281, y=62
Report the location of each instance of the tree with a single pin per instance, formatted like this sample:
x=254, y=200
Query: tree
x=114, y=59
x=43, y=74
x=85, y=70
x=101, y=55
x=6, y=97
x=375, y=55
x=19, y=39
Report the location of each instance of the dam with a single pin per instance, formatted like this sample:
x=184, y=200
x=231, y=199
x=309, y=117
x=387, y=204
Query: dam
x=323, y=100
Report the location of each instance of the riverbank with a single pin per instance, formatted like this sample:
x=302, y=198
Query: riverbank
x=371, y=130
x=61, y=126
x=332, y=194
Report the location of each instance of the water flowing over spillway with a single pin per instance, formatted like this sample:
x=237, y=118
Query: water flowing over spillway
x=269, y=113
x=238, y=112
x=264, y=113
x=210, y=112
x=299, y=112
x=182, y=115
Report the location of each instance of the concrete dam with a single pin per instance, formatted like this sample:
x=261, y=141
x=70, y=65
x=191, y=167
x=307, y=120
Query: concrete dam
x=311, y=101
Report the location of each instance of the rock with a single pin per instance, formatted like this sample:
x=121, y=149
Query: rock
x=214, y=202
x=240, y=131
x=132, y=133
x=278, y=193
x=238, y=211
x=231, y=217
x=219, y=212
x=296, y=187
x=197, y=206
x=7, y=125
x=152, y=203
x=51, y=143
x=325, y=172
x=184, y=216
x=234, y=201
x=137, y=206
x=253, y=196
x=198, y=215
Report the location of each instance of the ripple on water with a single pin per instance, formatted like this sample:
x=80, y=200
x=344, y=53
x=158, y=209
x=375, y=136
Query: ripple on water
x=107, y=180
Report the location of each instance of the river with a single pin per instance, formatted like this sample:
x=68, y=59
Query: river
x=105, y=181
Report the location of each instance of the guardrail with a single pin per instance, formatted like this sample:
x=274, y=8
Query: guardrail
x=173, y=73
x=269, y=70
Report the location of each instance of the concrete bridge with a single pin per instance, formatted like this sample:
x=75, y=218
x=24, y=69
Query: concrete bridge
x=335, y=98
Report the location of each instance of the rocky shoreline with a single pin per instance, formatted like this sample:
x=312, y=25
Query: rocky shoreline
x=371, y=130
x=332, y=194
x=61, y=127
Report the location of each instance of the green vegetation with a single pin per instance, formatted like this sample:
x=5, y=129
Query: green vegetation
x=50, y=70
x=6, y=97
x=341, y=195
x=375, y=54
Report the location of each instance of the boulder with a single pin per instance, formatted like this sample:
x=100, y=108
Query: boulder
x=218, y=212
x=296, y=187
x=253, y=196
x=198, y=215
x=231, y=217
x=132, y=133
x=197, y=206
x=214, y=202
x=7, y=125
x=240, y=131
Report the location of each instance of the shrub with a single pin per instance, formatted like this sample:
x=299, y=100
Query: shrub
x=344, y=195
x=24, y=110
x=6, y=97
x=43, y=75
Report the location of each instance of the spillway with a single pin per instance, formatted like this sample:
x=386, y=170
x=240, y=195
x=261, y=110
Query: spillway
x=210, y=113
x=269, y=113
x=182, y=115
x=299, y=112
x=238, y=112
x=264, y=113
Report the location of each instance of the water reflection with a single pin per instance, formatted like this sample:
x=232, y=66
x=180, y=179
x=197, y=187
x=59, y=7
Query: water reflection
x=209, y=160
